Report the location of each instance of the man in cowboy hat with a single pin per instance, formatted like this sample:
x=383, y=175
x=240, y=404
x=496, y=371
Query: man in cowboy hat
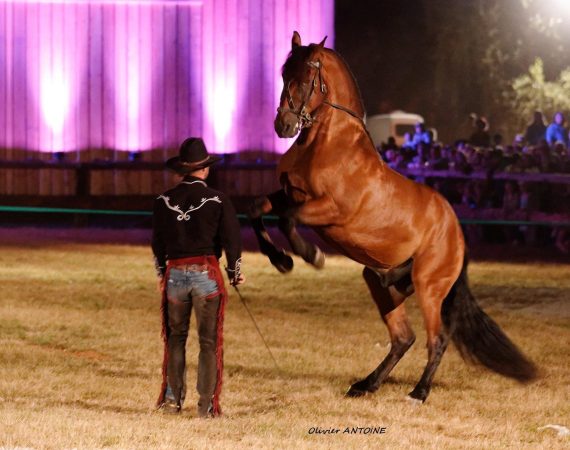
x=192, y=223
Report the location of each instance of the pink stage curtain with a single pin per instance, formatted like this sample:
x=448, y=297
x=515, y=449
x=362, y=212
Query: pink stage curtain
x=142, y=75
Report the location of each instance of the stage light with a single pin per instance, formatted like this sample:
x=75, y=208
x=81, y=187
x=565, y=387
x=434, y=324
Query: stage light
x=222, y=109
x=54, y=100
x=552, y=12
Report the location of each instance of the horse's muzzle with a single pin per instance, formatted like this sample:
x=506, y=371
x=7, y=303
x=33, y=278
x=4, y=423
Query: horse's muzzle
x=286, y=124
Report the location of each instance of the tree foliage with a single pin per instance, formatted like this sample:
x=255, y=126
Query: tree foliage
x=446, y=59
x=532, y=92
x=482, y=52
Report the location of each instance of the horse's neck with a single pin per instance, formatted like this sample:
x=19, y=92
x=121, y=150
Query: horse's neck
x=341, y=85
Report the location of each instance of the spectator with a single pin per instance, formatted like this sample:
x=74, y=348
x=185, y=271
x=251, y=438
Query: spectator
x=515, y=165
x=421, y=135
x=563, y=158
x=448, y=153
x=498, y=141
x=481, y=137
x=408, y=141
x=474, y=157
x=493, y=160
x=556, y=131
x=528, y=164
x=421, y=158
x=536, y=131
x=461, y=163
x=390, y=144
x=436, y=160
x=394, y=159
x=545, y=160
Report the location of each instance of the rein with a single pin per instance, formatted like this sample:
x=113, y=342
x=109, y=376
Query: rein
x=306, y=118
x=343, y=108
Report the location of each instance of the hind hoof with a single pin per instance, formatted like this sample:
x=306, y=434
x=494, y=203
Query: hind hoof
x=282, y=262
x=358, y=389
x=319, y=261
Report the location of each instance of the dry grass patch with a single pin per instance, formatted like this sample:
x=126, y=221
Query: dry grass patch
x=80, y=359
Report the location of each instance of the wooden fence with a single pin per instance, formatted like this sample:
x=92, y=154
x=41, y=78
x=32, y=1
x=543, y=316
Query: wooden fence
x=117, y=173
x=112, y=173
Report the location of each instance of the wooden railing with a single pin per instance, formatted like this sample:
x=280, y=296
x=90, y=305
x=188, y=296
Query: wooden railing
x=101, y=177
x=123, y=178
x=100, y=182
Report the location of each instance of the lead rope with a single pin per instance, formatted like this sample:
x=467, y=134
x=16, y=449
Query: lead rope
x=257, y=328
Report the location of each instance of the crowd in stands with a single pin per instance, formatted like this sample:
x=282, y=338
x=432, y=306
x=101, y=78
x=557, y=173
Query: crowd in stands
x=541, y=149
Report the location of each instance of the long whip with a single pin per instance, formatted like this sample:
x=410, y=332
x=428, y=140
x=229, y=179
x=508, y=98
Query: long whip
x=257, y=328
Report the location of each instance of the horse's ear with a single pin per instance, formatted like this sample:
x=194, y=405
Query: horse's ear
x=322, y=44
x=295, y=40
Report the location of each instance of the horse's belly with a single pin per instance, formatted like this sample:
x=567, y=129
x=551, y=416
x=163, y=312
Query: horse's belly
x=369, y=250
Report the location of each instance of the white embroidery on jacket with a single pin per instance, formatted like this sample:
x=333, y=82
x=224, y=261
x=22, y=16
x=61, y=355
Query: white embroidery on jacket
x=185, y=215
x=192, y=182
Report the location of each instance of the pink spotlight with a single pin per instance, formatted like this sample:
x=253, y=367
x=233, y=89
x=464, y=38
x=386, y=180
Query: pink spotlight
x=221, y=110
x=54, y=100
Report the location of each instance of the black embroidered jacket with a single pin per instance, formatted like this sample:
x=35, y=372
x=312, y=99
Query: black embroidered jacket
x=193, y=219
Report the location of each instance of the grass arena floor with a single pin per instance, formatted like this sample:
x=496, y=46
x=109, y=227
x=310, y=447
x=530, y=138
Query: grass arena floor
x=80, y=358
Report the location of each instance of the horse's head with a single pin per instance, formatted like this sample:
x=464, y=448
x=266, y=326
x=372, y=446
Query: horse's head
x=303, y=88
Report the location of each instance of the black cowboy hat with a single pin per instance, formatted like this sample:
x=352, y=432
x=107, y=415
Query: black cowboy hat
x=192, y=156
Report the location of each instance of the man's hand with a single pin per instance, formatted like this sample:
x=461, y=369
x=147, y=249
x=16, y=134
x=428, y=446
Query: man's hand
x=239, y=280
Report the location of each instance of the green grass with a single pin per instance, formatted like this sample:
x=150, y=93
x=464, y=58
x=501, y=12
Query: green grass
x=80, y=359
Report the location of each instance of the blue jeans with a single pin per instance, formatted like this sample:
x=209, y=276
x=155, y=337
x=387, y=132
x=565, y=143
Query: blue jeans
x=191, y=287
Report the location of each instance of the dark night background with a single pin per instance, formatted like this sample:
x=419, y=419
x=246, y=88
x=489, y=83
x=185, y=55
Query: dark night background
x=445, y=59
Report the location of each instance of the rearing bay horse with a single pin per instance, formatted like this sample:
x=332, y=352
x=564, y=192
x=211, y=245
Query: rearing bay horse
x=405, y=234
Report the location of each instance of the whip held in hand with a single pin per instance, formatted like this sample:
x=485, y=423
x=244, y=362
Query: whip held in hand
x=257, y=328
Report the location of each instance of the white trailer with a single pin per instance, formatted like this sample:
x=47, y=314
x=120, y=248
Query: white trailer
x=395, y=124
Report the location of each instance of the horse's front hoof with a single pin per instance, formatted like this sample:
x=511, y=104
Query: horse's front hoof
x=282, y=262
x=418, y=395
x=358, y=389
x=319, y=260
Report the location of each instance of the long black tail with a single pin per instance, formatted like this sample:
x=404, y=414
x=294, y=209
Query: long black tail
x=478, y=337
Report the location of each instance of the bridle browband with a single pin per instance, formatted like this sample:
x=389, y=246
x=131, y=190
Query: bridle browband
x=306, y=118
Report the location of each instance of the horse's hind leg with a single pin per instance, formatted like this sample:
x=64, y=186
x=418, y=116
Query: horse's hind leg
x=389, y=301
x=436, y=348
x=433, y=280
x=282, y=261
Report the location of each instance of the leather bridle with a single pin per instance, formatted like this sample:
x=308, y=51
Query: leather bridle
x=304, y=117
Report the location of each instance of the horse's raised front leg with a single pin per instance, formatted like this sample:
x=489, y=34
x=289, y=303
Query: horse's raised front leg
x=279, y=204
x=282, y=261
x=309, y=252
x=390, y=303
